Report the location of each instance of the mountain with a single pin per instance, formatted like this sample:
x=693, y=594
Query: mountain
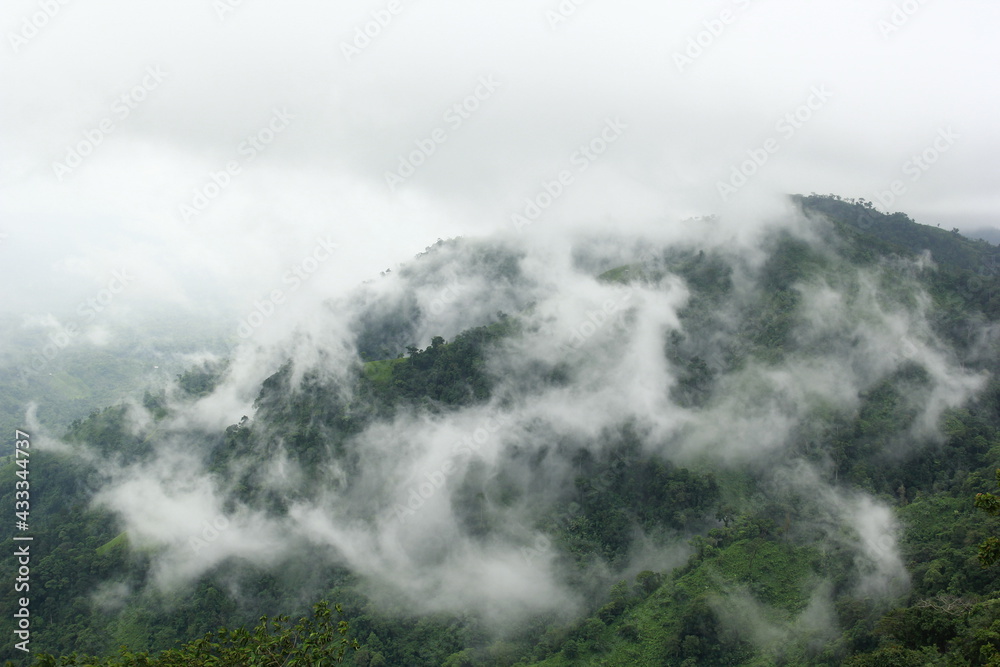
x=65, y=369
x=744, y=442
x=989, y=234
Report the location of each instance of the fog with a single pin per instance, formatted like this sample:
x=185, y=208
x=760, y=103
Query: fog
x=392, y=510
x=263, y=120
x=274, y=170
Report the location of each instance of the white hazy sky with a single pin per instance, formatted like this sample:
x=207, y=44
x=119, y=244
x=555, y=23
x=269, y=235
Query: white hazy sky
x=896, y=75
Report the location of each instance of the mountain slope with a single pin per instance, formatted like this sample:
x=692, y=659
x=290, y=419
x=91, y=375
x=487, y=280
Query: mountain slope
x=708, y=453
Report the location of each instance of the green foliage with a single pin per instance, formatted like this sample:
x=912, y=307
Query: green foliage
x=898, y=232
x=311, y=642
x=891, y=656
x=379, y=373
x=750, y=588
x=451, y=374
x=201, y=380
x=989, y=549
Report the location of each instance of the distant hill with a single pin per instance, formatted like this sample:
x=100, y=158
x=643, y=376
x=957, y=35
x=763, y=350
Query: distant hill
x=990, y=234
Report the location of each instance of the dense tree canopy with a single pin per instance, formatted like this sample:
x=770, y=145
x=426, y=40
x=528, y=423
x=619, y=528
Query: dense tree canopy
x=751, y=584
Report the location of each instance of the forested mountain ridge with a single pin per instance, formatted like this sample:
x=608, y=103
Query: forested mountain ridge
x=705, y=455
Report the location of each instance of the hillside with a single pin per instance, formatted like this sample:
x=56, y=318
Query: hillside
x=686, y=453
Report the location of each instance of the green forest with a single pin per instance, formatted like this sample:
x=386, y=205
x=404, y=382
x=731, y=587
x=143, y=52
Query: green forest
x=862, y=531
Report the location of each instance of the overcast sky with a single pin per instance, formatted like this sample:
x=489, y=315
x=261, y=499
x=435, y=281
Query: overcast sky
x=218, y=144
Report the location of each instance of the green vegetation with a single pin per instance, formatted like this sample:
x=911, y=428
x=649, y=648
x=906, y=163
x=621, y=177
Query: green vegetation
x=314, y=641
x=737, y=569
x=989, y=549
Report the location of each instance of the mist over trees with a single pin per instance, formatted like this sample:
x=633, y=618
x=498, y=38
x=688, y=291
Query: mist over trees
x=753, y=442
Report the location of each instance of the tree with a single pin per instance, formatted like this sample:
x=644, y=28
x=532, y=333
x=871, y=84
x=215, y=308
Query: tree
x=647, y=582
x=989, y=550
x=311, y=642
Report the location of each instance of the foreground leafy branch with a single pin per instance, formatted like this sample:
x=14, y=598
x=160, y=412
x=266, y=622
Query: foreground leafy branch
x=311, y=642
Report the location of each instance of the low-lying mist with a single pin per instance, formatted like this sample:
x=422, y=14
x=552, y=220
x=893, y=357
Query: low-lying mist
x=730, y=348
